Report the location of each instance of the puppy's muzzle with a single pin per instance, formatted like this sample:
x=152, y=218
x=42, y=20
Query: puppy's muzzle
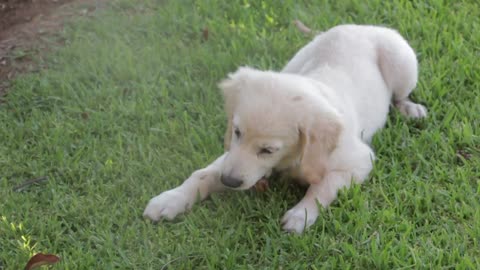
x=231, y=182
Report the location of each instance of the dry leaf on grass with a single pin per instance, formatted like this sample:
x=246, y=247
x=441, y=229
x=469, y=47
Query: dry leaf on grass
x=261, y=185
x=205, y=34
x=40, y=259
x=302, y=27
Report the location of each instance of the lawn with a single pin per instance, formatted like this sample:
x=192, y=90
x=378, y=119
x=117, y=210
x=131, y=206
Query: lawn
x=128, y=107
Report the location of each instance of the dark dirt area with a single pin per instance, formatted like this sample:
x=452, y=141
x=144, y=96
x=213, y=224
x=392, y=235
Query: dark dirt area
x=15, y=12
x=24, y=27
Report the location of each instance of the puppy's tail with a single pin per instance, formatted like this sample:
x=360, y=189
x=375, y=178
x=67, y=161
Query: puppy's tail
x=305, y=29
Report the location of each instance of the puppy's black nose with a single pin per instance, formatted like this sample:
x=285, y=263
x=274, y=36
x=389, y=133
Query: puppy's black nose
x=231, y=182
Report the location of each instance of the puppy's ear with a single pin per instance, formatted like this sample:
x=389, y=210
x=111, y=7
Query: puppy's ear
x=230, y=88
x=319, y=134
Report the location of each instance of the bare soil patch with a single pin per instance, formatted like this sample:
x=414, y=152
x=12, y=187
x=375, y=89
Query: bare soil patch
x=24, y=24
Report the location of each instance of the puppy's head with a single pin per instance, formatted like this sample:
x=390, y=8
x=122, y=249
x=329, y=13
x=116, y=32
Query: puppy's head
x=274, y=121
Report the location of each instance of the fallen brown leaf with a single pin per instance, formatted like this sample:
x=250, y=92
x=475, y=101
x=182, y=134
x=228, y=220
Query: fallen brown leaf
x=40, y=259
x=302, y=27
x=261, y=185
x=205, y=34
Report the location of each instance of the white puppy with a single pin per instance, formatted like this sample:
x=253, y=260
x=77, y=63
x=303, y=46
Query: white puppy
x=314, y=120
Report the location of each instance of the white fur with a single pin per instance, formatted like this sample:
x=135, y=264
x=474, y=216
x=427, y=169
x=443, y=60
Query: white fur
x=314, y=120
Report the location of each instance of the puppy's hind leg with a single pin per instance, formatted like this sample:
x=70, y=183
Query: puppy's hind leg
x=410, y=108
x=176, y=201
x=399, y=68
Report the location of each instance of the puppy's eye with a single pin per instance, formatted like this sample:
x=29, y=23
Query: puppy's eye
x=237, y=133
x=265, y=151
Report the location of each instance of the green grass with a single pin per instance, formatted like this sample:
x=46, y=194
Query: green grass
x=129, y=108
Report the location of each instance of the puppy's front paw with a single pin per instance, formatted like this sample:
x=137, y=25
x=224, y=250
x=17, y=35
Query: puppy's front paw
x=411, y=109
x=299, y=218
x=167, y=205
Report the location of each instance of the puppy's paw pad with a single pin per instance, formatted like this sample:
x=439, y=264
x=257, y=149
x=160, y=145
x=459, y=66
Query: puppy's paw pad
x=167, y=205
x=411, y=109
x=297, y=220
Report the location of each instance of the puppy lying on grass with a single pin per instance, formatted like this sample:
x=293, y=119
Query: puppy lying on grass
x=313, y=120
